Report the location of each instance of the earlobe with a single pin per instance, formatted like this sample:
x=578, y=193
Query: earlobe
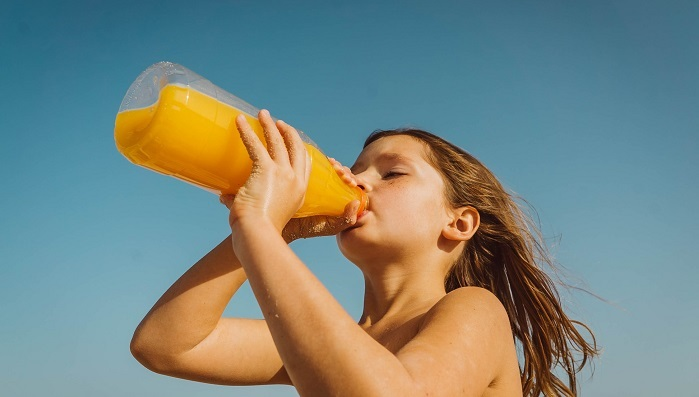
x=463, y=225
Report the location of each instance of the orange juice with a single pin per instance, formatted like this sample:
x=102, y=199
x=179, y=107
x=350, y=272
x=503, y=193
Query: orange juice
x=192, y=136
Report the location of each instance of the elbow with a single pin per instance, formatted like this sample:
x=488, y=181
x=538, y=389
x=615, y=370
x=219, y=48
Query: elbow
x=150, y=354
x=144, y=353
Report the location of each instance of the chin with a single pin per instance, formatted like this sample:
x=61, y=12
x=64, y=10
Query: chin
x=359, y=249
x=352, y=244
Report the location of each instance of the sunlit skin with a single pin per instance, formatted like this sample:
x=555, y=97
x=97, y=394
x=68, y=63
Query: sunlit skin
x=413, y=339
x=405, y=242
x=407, y=208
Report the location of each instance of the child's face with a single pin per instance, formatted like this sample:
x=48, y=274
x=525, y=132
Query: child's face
x=407, y=208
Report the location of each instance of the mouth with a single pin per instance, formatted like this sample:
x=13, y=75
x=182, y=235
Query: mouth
x=361, y=214
x=357, y=223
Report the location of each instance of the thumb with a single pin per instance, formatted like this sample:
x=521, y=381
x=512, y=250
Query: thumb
x=349, y=217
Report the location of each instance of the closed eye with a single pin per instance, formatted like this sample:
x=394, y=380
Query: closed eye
x=392, y=174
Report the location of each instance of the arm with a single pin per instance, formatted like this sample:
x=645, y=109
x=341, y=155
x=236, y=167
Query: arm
x=460, y=349
x=324, y=351
x=184, y=335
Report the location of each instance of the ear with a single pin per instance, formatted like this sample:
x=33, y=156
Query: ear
x=463, y=224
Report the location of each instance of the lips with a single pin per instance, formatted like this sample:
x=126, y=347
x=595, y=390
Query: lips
x=361, y=214
x=357, y=222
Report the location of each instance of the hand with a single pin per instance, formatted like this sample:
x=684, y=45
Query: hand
x=343, y=172
x=279, y=177
x=321, y=225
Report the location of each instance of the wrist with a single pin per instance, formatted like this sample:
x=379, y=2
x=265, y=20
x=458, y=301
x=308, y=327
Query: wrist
x=252, y=225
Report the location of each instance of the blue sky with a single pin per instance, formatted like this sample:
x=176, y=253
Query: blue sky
x=586, y=109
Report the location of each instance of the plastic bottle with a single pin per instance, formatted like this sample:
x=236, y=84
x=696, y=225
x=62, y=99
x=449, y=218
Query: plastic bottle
x=177, y=123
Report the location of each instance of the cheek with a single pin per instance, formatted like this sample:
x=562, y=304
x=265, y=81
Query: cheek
x=400, y=200
x=416, y=208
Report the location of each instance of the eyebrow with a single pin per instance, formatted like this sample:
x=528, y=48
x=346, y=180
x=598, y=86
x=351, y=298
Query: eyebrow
x=383, y=157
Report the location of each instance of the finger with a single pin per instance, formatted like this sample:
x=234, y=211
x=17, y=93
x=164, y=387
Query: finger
x=347, y=176
x=347, y=219
x=343, y=172
x=350, y=214
x=337, y=166
x=275, y=142
x=298, y=156
x=251, y=141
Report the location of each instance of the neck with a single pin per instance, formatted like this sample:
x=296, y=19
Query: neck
x=399, y=292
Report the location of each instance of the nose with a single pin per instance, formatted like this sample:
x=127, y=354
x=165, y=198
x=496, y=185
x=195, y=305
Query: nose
x=362, y=183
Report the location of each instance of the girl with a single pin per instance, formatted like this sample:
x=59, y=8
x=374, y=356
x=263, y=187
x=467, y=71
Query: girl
x=451, y=283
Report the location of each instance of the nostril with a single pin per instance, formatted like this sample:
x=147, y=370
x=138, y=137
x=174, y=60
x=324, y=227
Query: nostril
x=359, y=185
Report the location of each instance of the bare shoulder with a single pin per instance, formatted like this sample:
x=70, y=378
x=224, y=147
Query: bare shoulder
x=469, y=303
x=466, y=342
x=474, y=317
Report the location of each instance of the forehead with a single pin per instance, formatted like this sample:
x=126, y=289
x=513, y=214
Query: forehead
x=394, y=146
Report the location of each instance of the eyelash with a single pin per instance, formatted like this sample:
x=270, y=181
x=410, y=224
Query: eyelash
x=392, y=174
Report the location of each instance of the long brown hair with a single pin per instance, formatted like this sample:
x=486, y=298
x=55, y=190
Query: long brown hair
x=507, y=256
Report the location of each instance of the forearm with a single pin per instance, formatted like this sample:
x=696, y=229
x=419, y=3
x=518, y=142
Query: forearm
x=323, y=349
x=192, y=307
